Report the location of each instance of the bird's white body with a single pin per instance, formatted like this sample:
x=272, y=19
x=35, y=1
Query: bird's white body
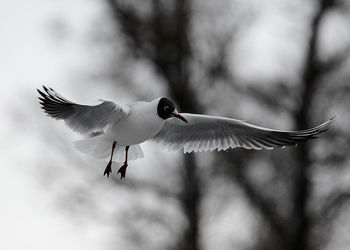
x=141, y=124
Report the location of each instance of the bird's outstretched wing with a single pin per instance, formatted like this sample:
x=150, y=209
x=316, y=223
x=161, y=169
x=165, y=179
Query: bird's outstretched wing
x=204, y=133
x=82, y=119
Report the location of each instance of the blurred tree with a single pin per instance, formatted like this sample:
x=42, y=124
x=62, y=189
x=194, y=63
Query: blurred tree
x=163, y=33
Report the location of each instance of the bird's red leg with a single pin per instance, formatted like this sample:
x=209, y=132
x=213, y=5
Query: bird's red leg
x=122, y=169
x=108, y=169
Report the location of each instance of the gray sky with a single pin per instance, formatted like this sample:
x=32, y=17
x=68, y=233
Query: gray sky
x=29, y=218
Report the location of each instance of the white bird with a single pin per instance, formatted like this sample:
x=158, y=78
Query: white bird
x=113, y=129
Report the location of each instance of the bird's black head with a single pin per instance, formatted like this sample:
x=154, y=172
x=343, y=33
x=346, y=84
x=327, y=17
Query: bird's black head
x=166, y=109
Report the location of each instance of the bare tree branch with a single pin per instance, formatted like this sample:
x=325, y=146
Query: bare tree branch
x=334, y=205
x=310, y=76
x=267, y=209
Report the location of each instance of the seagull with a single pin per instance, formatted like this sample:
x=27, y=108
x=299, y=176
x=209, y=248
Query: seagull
x=112, y=130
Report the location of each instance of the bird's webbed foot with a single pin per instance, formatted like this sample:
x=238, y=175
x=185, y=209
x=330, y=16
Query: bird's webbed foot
x=122, y=170
x=108, y=169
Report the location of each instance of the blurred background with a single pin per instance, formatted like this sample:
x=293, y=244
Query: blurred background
x=282, y=64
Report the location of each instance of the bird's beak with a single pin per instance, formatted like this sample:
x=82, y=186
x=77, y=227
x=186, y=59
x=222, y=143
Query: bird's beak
x=177, y=115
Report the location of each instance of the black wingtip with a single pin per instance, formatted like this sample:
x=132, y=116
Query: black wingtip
x=325, y=126
x=45, y=88
x=53, y=104
x=41, y=93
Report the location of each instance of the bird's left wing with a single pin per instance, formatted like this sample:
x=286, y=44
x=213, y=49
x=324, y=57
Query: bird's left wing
x=203, y=133
x=82, y=119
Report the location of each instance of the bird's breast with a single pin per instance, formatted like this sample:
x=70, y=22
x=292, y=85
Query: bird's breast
x=136, y=128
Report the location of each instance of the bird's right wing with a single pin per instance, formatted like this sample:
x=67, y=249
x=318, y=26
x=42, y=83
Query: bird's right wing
x=203, y=133
x=82, y=119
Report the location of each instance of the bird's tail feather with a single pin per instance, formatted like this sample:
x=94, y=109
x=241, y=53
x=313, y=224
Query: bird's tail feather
x=100, y=148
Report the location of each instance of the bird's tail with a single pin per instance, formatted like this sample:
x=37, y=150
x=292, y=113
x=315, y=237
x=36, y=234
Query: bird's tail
x=100, y=148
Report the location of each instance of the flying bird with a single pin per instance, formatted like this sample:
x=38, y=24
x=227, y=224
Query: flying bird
x=114, y=132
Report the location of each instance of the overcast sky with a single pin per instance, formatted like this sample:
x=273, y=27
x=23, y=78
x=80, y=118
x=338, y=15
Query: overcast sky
x=30, y=56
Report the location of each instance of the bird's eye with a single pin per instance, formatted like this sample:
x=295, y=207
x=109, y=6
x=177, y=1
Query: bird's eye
x=166, y=108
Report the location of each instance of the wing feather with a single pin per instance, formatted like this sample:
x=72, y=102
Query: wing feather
x=82, y=119
x=207, y=133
